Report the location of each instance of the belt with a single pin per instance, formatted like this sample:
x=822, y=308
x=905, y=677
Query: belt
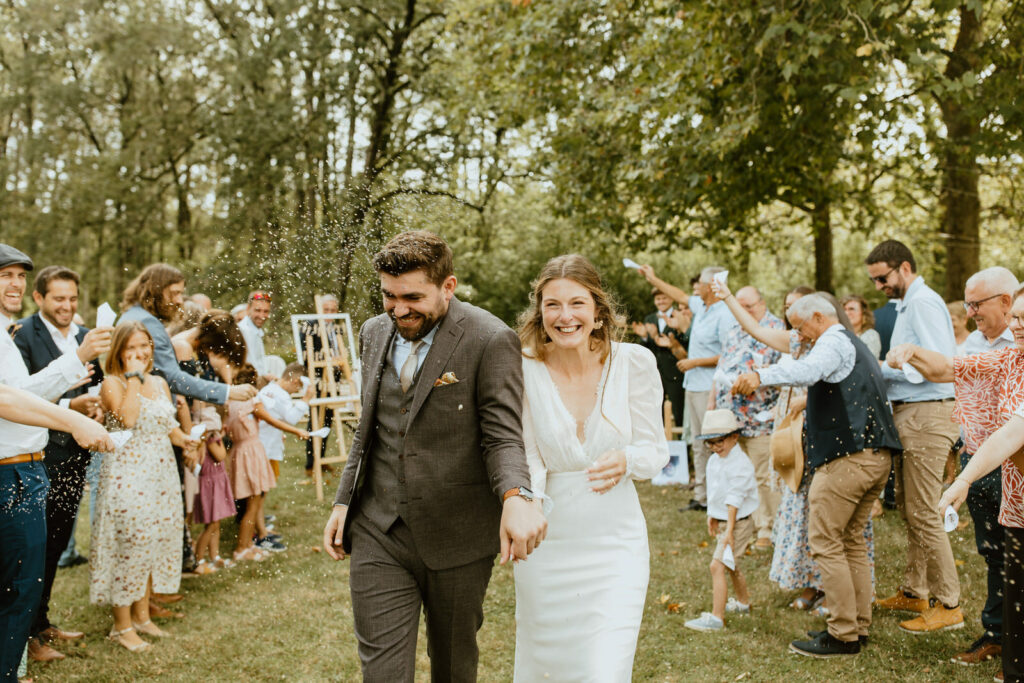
x=24, y=457
x=934, y=400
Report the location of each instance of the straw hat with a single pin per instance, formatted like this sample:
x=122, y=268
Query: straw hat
x=718, y=423
x=787, y=450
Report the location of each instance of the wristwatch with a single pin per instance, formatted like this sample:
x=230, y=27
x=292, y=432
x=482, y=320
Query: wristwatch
x=520, y=491
x=129, y=375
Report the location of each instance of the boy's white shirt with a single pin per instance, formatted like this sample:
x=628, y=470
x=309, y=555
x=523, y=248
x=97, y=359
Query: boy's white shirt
x=282, y=406
x=731, y=481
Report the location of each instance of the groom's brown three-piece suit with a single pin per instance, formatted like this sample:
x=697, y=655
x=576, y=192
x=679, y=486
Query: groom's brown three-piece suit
x=424, y=484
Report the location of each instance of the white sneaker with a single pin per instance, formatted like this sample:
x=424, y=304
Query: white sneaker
x=734, y=606
x=706, y=622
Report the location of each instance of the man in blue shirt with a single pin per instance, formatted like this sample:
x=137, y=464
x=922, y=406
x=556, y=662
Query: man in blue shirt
x=709, y=330
x=923, y=414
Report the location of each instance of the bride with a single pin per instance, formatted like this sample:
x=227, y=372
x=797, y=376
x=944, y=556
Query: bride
x=591, y=424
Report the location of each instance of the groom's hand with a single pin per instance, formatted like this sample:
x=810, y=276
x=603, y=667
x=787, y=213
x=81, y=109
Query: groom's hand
x=523, y=527
x=333, y=531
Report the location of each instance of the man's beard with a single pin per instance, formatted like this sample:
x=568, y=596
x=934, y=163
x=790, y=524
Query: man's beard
x=167, y=312
x=429, y=322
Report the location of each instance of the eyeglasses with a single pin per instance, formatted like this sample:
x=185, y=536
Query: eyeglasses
x=968, y=305
x=259, y=296
x=882, y=279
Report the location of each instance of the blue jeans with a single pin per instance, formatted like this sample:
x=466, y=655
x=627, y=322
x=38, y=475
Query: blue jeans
x=23, y=489
x=983, y=499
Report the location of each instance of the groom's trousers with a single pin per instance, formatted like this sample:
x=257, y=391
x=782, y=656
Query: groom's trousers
x=390, y=583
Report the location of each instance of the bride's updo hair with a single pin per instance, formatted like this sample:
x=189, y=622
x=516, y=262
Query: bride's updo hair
x=609, y=322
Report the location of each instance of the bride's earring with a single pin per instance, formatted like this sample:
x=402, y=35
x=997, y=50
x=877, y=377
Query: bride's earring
x=599, y=324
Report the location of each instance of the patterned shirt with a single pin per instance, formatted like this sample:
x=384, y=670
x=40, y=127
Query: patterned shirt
x=743, y=353
x=989, y=388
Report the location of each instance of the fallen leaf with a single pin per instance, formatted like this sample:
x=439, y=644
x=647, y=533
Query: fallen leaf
x=664, y=598
x=673, y=607
x=702, y=544
x=315, y=548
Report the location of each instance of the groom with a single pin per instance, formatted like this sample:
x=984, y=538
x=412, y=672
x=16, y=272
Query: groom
x=436, y=481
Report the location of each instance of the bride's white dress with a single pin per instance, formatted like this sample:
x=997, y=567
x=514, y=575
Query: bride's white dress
x=580, y=595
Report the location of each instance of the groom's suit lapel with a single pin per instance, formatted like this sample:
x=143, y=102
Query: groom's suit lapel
x=376, y=360
x=445, y=342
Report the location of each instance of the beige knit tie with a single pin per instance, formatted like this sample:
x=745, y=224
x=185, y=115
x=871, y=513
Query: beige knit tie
x=408, y=373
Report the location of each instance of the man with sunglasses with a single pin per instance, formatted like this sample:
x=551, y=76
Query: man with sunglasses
x=923, y=414
x=988, y=299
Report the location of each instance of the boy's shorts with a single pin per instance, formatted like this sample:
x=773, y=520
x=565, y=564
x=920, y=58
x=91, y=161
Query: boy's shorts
x=742, y=532
x=276, y=466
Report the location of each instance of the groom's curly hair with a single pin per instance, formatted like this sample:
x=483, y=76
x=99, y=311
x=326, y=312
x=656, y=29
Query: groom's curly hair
x=416, y=250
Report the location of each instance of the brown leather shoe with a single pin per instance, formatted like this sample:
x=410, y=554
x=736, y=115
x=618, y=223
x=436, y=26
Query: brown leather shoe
x=53, y=633
x=38, y=651
x=979, y=652
x=159, y=612
x=938, y=618
x=902, y=602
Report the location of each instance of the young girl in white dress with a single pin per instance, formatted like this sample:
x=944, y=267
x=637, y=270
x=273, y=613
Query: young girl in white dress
x=591, y=425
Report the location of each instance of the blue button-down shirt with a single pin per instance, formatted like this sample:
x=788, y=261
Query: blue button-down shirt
x=708, y=334
x=921, y=319
x=977, y=342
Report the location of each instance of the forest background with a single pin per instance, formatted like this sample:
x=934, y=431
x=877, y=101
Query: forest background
x=278, y=143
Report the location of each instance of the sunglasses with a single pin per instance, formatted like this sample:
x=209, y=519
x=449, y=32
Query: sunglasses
x=260, y=296
x=882, y=279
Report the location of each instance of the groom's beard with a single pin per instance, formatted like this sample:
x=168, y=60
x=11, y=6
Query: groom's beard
x=412, y=331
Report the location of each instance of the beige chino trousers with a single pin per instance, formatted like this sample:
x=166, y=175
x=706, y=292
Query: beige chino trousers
x=696, y=406
x=928, y=433
x=758, y=449
x=840, y=498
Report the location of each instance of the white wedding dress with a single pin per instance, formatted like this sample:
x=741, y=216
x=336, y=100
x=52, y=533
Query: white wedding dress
x=580, y=595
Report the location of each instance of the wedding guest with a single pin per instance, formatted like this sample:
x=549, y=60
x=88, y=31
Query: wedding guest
x=191, y=313
x=276, y=398
x=24, y=421
x=42, y=339
x=708, y=332
x=989, y=384
x=136, y=543
x=863, y=321
x=732, y=500
x=256, y=313
x=960, y=332
x=655, y=326
x=312, y=329
x=204, y=301
x=238, y=312
x=849, y=465
x=215, y=501
x=155, y=298
x=923, y=414
x=14, y=268
x=251, y=473
x=743, y=353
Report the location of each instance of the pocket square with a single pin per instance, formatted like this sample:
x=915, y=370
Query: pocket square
x=446, y=378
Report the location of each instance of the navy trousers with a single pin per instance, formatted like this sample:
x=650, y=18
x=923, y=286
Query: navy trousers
x=23, y=489
x=983, y=499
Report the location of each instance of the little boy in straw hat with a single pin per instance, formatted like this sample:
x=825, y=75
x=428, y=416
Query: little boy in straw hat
x=732, y=499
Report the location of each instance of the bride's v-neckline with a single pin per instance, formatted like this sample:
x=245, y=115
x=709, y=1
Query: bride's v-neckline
x=565, y=409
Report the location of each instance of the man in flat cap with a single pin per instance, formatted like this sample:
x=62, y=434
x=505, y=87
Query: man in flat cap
x=14, y=267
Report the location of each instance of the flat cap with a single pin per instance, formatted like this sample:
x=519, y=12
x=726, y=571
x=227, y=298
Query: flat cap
x=9, y=256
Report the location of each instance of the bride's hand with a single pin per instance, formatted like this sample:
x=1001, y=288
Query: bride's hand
x=607, y=471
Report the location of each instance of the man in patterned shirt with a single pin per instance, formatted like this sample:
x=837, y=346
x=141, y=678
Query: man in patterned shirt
x=742, y=353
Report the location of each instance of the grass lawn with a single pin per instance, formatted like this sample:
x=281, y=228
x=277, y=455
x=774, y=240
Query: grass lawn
x=289, y=618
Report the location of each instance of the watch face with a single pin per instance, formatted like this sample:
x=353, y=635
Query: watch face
x=526, y=493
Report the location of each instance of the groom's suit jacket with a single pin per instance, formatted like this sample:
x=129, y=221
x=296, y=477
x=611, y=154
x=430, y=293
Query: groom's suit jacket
x=463, y=443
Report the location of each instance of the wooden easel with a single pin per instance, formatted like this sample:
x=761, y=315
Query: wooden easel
x=340, y=397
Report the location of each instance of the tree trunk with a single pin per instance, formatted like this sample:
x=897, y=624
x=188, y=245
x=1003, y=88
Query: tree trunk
x=961, y=206
x=821, y=227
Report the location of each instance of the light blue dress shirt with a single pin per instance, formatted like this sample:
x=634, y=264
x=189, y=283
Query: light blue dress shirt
x=831, y=360
x=708, y=334
x=401, y=348
x=922, y=319
x=977, y=342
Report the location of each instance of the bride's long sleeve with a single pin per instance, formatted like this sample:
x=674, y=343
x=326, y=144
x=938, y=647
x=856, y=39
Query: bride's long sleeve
x=647, y=451
x=538, y=471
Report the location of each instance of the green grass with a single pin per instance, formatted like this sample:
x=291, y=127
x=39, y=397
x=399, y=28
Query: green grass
x=289, y=618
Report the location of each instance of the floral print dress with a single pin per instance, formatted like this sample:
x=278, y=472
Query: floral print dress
x=138, y=527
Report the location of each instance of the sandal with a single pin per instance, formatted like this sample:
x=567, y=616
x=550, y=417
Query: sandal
x=204, y=568
x=221, y=563
x=118, y=637
x=160, y=612
x=150, y=629
x=807, y=604
x=250, y=553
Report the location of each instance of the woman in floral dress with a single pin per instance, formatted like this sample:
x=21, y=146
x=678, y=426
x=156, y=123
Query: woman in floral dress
x=136, y=538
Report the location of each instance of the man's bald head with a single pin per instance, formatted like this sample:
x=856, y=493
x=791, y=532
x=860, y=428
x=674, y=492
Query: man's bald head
x=750, y=298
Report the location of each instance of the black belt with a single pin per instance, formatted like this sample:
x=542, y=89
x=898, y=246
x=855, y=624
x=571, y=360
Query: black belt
x=934, y=400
